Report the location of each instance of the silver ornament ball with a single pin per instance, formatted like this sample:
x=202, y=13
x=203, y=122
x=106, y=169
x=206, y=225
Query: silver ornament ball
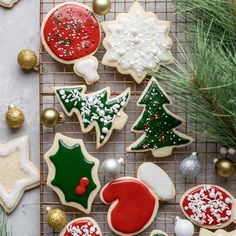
x=223, y=150
x=231, y=151
x=190, y=167
x=111, y=167
x=183, y=227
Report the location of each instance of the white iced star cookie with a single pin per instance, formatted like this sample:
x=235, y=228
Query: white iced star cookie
x=136, y=42
x=7, y=3
x=219, y=232
x=17, y=172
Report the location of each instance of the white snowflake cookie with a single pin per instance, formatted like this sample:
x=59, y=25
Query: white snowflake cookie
x=7, y=3
x=136, y=42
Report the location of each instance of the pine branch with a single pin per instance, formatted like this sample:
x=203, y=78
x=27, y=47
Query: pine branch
x=207, y=86
x=3, y=225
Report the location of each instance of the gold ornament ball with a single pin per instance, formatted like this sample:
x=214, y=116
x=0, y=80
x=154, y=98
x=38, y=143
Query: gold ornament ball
x=56, y=218
x=101, y=7
x=50, y=117
x=224, y=167
x=14, y=117
x=27, y=59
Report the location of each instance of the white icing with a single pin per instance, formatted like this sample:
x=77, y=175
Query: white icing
x=20, y=146
x=85, y=230
x=8, y=3
x=87, y=68
x=138, y=42
x=157, y=179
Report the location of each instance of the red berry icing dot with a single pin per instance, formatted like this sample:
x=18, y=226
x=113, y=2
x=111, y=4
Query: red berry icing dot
x=208, y=205
x=72, y=32
x=81, y=188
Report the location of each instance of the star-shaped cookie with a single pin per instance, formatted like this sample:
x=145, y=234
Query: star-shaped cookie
x=17, y=172
x=136, y=42
x=7, y=3
x=219, y=232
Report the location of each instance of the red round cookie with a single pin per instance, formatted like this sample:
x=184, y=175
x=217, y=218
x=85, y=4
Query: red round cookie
x=208, y=205
x=81, y=227
x=71, y=31
x=133, y=205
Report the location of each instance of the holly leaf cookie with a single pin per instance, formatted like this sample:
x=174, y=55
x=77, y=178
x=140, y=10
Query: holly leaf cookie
x=17, y=172
x=136, y=200
x=136, y=42
x=158, y=233
x=219, y=232
x=157, y=124
x=7, y=3
x=72, y=173
x=95, y=109
x=84, y=226
x=71, y=34
x=209, y=206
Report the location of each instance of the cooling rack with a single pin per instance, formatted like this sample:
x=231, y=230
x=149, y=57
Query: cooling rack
x=55, y=74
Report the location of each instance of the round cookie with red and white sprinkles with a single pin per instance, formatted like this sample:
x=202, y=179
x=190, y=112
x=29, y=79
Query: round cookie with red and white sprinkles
x=208, y=206
x=81, y=227
x=71, y=34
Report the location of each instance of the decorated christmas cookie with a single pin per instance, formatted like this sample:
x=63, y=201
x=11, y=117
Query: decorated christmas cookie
x=95, y=109
x=209, y=206
x=157, y=124
x=72, y=172
x=84, y=226
x=17, y=172
x=136, y=42
x=219, y=232
x=71, y=34
x=136, y=200
x=158, y=233
x=7, y=3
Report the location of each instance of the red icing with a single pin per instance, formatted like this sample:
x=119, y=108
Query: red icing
x=82, y=227
x=135, y=205
x=83, y=184
x=203, y=202
x=72, y=32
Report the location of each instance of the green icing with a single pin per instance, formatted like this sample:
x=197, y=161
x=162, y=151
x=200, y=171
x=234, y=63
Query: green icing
x=158, y=234
x=94, y=107
x=156, y=122
x=71, y=165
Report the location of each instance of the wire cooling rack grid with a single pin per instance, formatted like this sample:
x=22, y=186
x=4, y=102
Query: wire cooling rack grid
x=55, y=74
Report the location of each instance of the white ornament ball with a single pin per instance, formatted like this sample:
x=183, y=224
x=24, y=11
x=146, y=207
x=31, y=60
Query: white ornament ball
x=231, y=151
x=223, y=150
x=111, y=167
x=183, y=227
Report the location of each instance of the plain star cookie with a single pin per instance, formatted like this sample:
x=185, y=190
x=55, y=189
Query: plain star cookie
x=136, y=200
x=72, y=173
x=17, y=172
x=157, y=124
x=219, y=232
x=95, y=110
x=84, y=226
x=7, y=3
x=136, y=42
x=209, y=206
x=71, y=34
x=158, y=233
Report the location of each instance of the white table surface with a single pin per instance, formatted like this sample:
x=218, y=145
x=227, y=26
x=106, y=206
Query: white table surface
x=19, y=29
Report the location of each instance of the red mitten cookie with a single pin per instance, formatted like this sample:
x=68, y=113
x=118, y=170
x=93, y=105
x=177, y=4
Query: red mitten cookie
x=71, y=34
x=136, y=200
x=209, y=206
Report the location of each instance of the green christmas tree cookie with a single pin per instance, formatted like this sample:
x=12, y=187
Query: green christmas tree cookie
x=158, y=233
x=157, y=124
x=95, y=109
x=72, y=173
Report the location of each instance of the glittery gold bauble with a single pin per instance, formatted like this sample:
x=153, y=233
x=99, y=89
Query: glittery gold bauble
x=50, y=117
x=101, y=7
x=224, y=167
x=14, y=117
x=27, y=59
x=56, y=218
